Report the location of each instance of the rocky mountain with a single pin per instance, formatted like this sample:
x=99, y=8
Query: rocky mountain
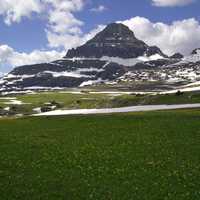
x=114, y=56
x=177, y=56
x=116, y=40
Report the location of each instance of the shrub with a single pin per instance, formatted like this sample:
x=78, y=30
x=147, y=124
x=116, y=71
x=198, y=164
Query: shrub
x=179, y=93
x=46, y=109
x=55, y=103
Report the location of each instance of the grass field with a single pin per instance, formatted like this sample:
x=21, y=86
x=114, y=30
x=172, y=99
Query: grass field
x=140, y=156
x=91, y=100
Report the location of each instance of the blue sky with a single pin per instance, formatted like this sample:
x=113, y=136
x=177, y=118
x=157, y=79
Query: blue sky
x=33, y=31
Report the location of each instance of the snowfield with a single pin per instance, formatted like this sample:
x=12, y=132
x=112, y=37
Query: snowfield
x=14, y=102
x=118, y=110
x=192, y=58
x=131, y=61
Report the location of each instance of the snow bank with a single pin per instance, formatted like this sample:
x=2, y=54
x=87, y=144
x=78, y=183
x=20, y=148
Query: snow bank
x=118, y=110
x=131, y=61
x=90, y=82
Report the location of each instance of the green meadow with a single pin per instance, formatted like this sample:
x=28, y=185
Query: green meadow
x=63, y=100
x=140, y=156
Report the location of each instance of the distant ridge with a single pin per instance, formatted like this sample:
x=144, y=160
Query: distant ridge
x=113, y=57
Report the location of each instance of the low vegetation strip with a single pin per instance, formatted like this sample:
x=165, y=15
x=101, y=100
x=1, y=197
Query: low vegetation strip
x=146, y=156
x=41, y=102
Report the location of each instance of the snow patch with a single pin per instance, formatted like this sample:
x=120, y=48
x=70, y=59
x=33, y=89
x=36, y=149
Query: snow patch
x=7, y=98
x=67, y=74
x=24, y=76
x=42, y=88
x=14, y=102
x=90, y=82
x=192, y=58
x=75, y=74
x=131, y=61
x=37, y=110
x=7, y=109
x=118, y=110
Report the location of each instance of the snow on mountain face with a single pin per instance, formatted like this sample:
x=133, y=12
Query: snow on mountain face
x=131, y=61
x=114, y=55
x=194, y=57
x=166, y=74
x=121, y=61
x=196, y=51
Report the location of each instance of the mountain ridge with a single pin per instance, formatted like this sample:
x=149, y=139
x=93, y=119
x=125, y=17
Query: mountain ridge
x=114, y=56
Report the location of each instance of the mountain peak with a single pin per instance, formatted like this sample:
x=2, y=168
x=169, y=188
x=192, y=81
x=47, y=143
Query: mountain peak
x=196, y=51
x=116, y=40
x=177, y=56
x=116, y=25
x=118, y=28
x=113, y=34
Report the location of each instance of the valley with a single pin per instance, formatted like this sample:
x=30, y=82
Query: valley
x=19, y=105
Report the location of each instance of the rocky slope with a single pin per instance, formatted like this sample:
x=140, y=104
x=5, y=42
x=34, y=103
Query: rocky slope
x=114, y=56
x=116, y=40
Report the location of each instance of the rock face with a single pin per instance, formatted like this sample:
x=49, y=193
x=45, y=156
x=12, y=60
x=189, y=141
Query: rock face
x=177, y=56
x=196, y=51
x=114, y=56
x=62, y=73
x=116, y=40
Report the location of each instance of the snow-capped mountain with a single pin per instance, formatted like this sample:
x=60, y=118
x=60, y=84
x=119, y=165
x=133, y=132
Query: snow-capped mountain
x=193, y=57
x=114, y=56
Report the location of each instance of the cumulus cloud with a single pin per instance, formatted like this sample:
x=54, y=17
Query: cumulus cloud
x=61, y=22
x=72, y=41
x=63, y=28
x=10, y=58
x=180, y=36
x=98, y=9
x=171, y=3
x=15, y=10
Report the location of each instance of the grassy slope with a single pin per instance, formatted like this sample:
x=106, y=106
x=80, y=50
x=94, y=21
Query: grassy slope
x=148, y=156
x=107, y=100
x=76, y=101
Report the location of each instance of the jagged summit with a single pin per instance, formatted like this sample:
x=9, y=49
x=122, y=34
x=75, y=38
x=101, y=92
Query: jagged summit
x=115, y=33
x=177, y=56
x=116, y=40
x=196, y=51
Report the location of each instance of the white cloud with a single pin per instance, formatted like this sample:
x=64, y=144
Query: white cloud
x=71, y=41
x=18, y=59
x=64, y=29
x=14, y=10
x=63, y=40
x=171, y=3
x=10, y=58
x=180, y=36
x=99, y=9
x=61, y=22
x=92, y=33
